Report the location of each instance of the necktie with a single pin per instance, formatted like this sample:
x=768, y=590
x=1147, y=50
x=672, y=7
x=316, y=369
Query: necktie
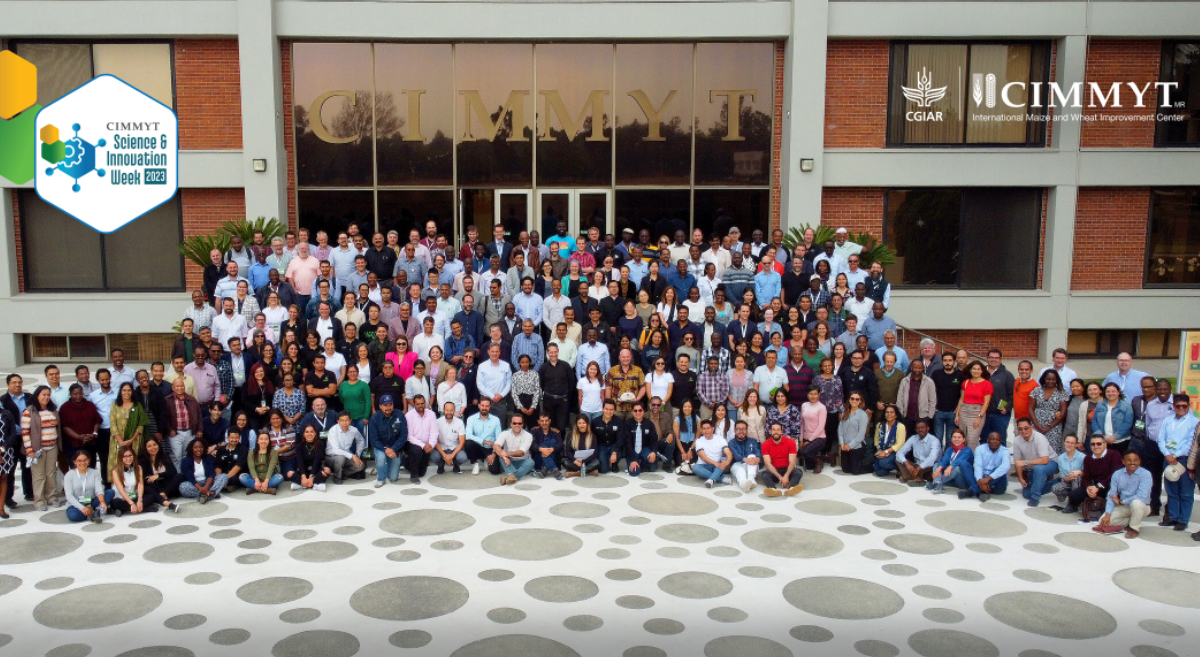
x=637, y=440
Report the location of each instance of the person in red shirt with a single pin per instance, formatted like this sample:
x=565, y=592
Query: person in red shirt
x=1025, y=384
x=779, y=464
x=976, y=394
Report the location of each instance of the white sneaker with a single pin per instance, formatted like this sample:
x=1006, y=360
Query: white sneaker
x=319, y=487
x=747, y=486
x=727, y=480
x=475, y=469
x=380, y=483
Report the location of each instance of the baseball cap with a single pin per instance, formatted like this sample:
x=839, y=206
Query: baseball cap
x=386, y=399
x=627, y=230
x=814, y=277
x=1173, y=472
x=734, y=230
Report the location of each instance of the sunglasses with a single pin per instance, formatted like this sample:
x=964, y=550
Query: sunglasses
x=1181, y=405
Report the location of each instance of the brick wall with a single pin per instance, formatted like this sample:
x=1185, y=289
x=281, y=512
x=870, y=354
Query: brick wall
x=1104, y=216
x=857, y=208
x=856, y=93
x=1013, y=344
x=289, y=136
x=204, y=210
x=1118, y=60
x=208, y=94
x=777, y=137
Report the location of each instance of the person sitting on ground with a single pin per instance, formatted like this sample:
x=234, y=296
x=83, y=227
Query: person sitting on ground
x=547, y=448
x=956, y=465
x=992, y=462
x=641, y=442
x=262, y=467
x=342, y=448
x=1070, y=470
x=200, y=478
x=1098, y=468
x=777, y=451
x=128, y=494
x=308, y=459
x=230, y=456
x=714, y=456
x=889, y=439
x=917, y=458
x=84, y=489
x=1034, y=461
x=511, y=453
x=580, y=454
x=160, y=479
x=747, y=457
x=1128, y=501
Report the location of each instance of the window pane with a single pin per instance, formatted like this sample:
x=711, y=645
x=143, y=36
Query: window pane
x=48, y=346
x=659, y=211
x=923, y=226
x=144, y=254
x=992, y=121
x=574, y=83
x=739, y=151
x=495, y=113
x=401, y=210
x=1181, y=63
x=931, y=69
x=89, y=346
x=1000, y=226
x=60, y=67
x=416, y=119
x=718, y=210
x=146, y=66
x=332, y=211
x=654, y=80
x=1174, y=237
x=333, y=141
x=61, y=253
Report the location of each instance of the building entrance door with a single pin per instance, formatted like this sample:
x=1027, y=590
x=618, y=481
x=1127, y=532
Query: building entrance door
x=581, y=209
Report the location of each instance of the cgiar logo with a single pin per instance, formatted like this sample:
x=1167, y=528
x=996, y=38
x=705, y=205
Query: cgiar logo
x=924, y=95
x=127, y=139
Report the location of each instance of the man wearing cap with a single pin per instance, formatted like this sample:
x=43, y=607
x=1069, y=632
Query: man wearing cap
x=1175, y=438
x=388, y=433
x=844, y=247
x=736, y=234
x=626, y=244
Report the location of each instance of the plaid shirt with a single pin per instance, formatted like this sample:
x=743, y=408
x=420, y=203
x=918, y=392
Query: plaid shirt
x=820, y=298
x=225, y=377
x=712, y=388
x=201, y=317
x=723, y=359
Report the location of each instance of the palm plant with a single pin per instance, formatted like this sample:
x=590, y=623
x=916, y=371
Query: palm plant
x=197, y=247
x=245, y=229
x=873, y=250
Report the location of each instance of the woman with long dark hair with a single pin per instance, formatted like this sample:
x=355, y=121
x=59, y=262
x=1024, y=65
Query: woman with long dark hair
x=40, y=427
x=259, y=394
x=580, y=453
x=128, y=424
x=128, y=492
x=160, y=479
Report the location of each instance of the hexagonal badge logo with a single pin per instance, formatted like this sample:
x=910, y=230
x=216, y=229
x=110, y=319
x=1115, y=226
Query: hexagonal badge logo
x=106, y=153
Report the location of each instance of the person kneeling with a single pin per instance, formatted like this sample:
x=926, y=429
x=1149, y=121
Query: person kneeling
x=342, y=448
x=1128, y=500
x=776, y=451
x=919, y=455
x=511, y=453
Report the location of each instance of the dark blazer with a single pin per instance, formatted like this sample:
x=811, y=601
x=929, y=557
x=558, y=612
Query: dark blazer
x=207, y=470
x=505, y=253
x=287, y=295
x=10, y=405
x=193, y=409
x=154, y=404
x=308, y=462
x=649, y=438
x=338, y=336
x=583, y=307
x=653, y=287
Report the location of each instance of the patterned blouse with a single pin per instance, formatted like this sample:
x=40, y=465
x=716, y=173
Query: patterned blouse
x=789, y=419
x=526, y=383
x=831, y=392
x=290, y=405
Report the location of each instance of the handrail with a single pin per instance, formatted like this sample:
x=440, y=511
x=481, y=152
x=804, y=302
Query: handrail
x=955, y=347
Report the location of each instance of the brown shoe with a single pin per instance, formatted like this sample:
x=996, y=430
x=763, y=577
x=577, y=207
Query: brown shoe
x=270, y=491
x=571, y=474
x=1131, y=533
x=820, y=465
x=250, y=491
x=772, y=492
x=794, y=490
x=511, y=479
x=593, y=473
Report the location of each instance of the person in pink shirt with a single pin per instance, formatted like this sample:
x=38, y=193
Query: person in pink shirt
x=422, y=438
x=811, y=442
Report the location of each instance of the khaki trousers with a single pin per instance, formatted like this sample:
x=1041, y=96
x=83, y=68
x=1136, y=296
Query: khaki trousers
x=1130, y=515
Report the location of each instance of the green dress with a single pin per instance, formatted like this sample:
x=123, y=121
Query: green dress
x=126, y=424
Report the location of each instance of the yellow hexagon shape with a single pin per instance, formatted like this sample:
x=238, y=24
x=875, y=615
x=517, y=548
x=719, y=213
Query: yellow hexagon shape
x=49, y=134
x=18, y=85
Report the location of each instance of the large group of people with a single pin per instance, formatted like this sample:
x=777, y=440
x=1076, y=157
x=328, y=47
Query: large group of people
x=742, y=363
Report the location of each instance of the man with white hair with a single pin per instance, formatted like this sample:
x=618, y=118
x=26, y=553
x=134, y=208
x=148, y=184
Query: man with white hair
x=929, y=356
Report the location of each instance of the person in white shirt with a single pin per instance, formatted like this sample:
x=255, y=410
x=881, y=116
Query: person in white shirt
x=844, y=247
x=512, y=455
x=416, y=385
x=451, y=439
x=228, y=324
x=342, y=448
x=427, y=339
x=768, y=377
x=568, y=351
x=335, y=363
x=708, y=283
x=718, y=256
x=837, y=264
x=713, y=457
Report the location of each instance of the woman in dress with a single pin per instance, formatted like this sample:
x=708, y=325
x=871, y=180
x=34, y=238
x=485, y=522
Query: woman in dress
x=741, y=380
x=812, y=355
x=787, y=415
x=976, y=393
x=668, y=306
x=453, y=391
x=687, y=425
x=591, y=388
x=598, y=289
x=526, y=390
x=128, y=424
x=259, y=395
x=355, y=396
x=754, y=415
x=1048, y=409
x=852, y=435
x=813, y=439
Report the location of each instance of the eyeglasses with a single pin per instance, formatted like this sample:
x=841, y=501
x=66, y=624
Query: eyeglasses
x=1098, y=443
x=1181, y=405
x=637, y=410
x=655, y=405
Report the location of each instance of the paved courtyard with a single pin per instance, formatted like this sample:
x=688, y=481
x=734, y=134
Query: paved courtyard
x=598, y=566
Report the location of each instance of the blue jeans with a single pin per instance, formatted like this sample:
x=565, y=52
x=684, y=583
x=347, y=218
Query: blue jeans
x=591, y=416
x=436, y=458
x=996, y=422
x=605, y=453
x=643, y=461
x=518, y=467
x=999, y=485
x=1040, y=478
x=387, y=468
x=273, y=482
x=705, y=471
x=545, y=462
x=959, y=478
x=885, y=465
x=943, y=426
x=1180, y=497
x=75, y=515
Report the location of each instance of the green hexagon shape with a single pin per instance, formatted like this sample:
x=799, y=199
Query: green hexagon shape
x=54, y=153
x=18, y=157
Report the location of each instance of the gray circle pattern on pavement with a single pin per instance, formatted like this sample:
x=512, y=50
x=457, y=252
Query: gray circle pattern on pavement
x=1050, y=615
x=184, y=622
x=426, y=522
x=842, y=598
x=663, y=626
x=878, y=488
x=515, y=645
x=37, y=546
x=943, y=615
x=317, y=643
x=410, y=639
x=323, y=551
x=825, y=507
x=579, y=510
x=792, y=542
x=1161, y=627
x=201, y=579
x=583, y=623
x=965, y=575
x=506, y=615
x=1091, y=542
x=274, y=590
x=951, y=643
x=695, y=585
x=745, y=646
x=673, y=504
x=810, y=634
x=300, y=615
x=304, y=513
x=976, y=524
x=876, y=648
x=1166, y=585
x=531, y=544
x=727, y=615
x=561, y=588
x=71, y=650
x=502, y=501
x=229, y=637
x=409, y=598
x=931, y=592
x=121, y=603
x=686, y=533
x=178, y=552
x=622, y=575
x=634, y=602
x=918, y=543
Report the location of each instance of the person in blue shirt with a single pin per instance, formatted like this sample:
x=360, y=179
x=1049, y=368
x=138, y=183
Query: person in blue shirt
x=768, y=284
x=388, y=433
x=1175, y=438
x=1126, y=378
x=875, y=326
x=992, y=462
x=1128, y=500
x=681, y=279
x=259, y=275
x=561, y=241
x=483, y=429
x=956, y=465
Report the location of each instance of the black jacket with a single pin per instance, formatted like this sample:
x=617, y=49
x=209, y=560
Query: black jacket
x=156, y=405
x=608, y=434
x=649, y=437
x=309, y=460
x=863, y=382
x=287, y=296
x=8, y=404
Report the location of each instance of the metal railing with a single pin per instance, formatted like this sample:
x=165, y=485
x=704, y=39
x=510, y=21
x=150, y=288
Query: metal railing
x=904, y=329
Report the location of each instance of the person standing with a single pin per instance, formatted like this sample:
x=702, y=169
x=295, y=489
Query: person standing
x=999, y=410
x=40, y=434
x=1175, y=439
x=103, y=398
x=15, y=401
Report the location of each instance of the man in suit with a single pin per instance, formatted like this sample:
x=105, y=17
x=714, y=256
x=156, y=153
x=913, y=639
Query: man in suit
x=239, y=365
x=583, y=304
x=325, y=323
x=14, y=401
x=498, y=247
x=287, y=294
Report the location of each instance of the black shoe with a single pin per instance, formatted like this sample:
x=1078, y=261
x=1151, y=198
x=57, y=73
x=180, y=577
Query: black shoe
x=415, y=480
x=441, y=469
x=1070, y=508
x=457, y=470
x=964, y=494
x=216, y=496
x=1196, y=536
x=1166, y=522
x=5, y=516
x=118, y=513
x=1181, y=526
x=983, y=497
x=10, y=504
